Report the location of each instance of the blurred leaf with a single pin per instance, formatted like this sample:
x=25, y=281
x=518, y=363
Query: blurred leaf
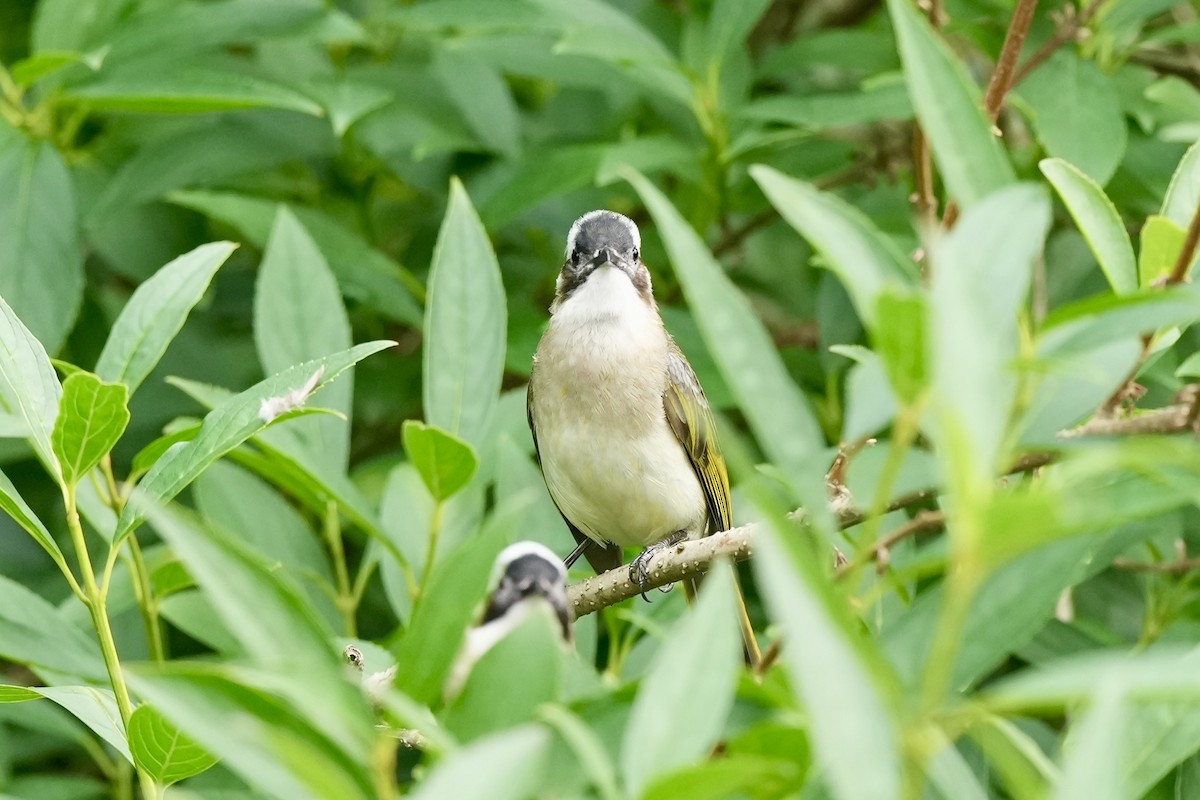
x=877, y=102
x=982, y=272
x=481, y=96
x=92, y=416
x=1076, y=114
x=96, y=708
x=729, y=23
x=900, y=340
x=1097, y=220
x=446, y=464
x=347, y=102
x=364, y=273
x=29, y=70
x=156, y=312
x=15, y=506
x=18, y=694
x=1161, y=243
x=949, y=771
x=28, y=386
x=188, y=91
x=257, y=735
x=731, y=776
x=1096, y=321
x=850, y=722
x=865, y=261
x=465, y=321
x=1183, y=194
x=299, y=315
x=161, y=750
x=775, y=408
x=948, y=105
x=1092, y=761
x=32, y=632
x=675, y=721
x=503, y=766
x=229, y=424
x=41, y=262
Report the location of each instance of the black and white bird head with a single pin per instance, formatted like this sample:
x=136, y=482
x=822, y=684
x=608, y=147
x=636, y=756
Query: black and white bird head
x=599, y=243
x=530, y=573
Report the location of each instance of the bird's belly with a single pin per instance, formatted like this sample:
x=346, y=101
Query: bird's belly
x=630, y=490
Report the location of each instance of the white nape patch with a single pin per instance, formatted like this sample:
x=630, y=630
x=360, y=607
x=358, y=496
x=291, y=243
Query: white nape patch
x=629, y=224
x=521, y=549
x=607, y=293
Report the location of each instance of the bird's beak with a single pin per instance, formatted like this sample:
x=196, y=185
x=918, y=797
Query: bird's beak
x=608, y=257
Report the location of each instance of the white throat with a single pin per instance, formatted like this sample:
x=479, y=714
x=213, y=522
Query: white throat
x=607, y=295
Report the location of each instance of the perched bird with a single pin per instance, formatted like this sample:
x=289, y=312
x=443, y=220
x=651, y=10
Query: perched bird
x=532, y=580
x=625, y=437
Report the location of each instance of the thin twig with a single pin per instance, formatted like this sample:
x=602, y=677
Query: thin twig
x=1188, y=254
x=1002, y=77
x=1176, y=567
x=924, y=522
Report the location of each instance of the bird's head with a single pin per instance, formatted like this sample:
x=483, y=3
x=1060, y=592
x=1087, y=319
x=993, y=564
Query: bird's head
x=530, y=572
x=599, y=242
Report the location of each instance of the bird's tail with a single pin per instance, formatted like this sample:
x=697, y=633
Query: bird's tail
x=749, y=641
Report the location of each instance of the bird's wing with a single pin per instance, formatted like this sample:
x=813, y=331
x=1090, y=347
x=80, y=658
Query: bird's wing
x=602, y=557
x=692, y=421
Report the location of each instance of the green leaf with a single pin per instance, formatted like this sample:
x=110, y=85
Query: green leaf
x=864, y=259
x=482, y=98
x=156, y=313
x=299, y=315
x=730, y=776
x=346, y=102
x=446, y=464
x=1077, y=115
x=28, y=386
x=971, y=160
x=1183, y=194
x=96, y=708
x=1161, y=244
x=729, y=23
x=850, y=724
x=364, y=273
x=878, y=101
x=91, y=418
x=900, y=341
x=232, y=422
x=258, y=735
x=505, y=766
x=1092, y=761
x=15, y=506
x=1098, y=221
x=18, y=694
x=28, y=70
x=1097, y=321
x=41, y=262
x=188, y=91
x=465, y=319
x=674, y=721
x=776, y=409
x=982, y=272
x=161, y=750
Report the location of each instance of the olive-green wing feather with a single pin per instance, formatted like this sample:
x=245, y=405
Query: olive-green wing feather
x=692, y=421
x=601, y=557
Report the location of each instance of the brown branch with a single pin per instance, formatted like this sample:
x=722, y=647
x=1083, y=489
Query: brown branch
x=1188, y=254
x=1002, y=77
x=1067, y=29
x=924, y=522
x=1176, y=567
x=690, y=559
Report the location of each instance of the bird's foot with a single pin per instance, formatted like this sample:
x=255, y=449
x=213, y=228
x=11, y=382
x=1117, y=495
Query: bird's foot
x=638, y=572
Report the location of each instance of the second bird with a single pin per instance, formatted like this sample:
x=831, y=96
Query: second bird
x=624, y=434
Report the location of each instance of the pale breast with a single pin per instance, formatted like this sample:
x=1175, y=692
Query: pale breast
x=612, y=463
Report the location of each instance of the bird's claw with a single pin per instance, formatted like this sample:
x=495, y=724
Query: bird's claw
x=638, y=572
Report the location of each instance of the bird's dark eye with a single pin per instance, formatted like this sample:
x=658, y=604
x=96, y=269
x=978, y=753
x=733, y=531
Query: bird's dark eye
x=635, y=254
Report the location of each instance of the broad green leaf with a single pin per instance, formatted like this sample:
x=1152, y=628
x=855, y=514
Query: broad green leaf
x=776, y=409
x=465, y=319
x=15, y=506
x=729, y=776
x=675, y=721
x=28, y=386
x=1077, y=115
x=877, y=102
x=364, y=273
x=482, y=98
x=28, y=70
x=34, y=633
x=1183, y=195
x=1098, y=221
x=346, y=102
x=948, y=105
x=161, y=750
x=1161, y=243
x=1092, y=761
x=447, y=606
x=18, y=694
x=1190, y=368
x=299, y=315
x=256, y=733
x=273, y=623
x=950, y=773
x=850, y=721
x=982, y=272
x=156, y=313
x=729, y=23
x=232, y=422
x=445, y=463
x=96, y=708
x=92, y=416
x=41, y=262
x=189, y=91
x=1091, y=323
x=505, y=766
x=864, y=259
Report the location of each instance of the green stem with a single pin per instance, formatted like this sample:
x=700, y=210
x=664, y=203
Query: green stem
x=963, y=577
x=346, y=602
x=97, y=606
x=435, y=532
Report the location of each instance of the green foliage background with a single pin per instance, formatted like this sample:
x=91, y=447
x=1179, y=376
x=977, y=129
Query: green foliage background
x=204, y=205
